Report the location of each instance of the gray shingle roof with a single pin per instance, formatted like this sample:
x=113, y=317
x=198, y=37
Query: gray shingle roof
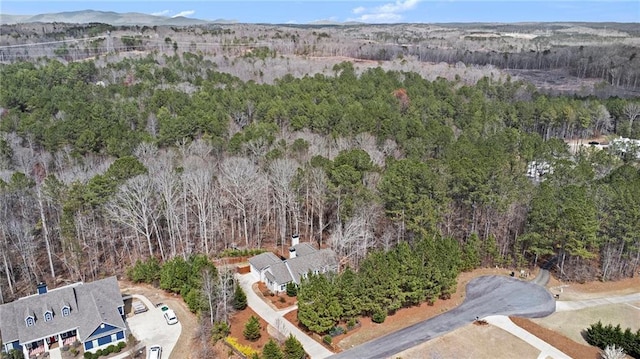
x=303, y=249
x=308, y=258
x=322, y=261
x=91, y=304
x=263, y=260
x=280, y=273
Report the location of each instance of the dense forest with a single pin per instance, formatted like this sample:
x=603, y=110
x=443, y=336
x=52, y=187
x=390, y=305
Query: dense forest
x=163, y=156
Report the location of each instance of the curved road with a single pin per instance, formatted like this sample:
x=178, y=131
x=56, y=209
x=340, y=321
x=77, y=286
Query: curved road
x=487, y=295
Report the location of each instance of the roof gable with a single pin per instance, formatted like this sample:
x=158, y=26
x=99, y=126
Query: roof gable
x=263, y=260
x=280, y=273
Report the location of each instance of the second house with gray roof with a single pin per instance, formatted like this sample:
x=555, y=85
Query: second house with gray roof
x=303, y=258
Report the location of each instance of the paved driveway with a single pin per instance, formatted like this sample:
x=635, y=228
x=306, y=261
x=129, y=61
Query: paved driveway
x=487, y=295
x=150, y=328
x=275, y=319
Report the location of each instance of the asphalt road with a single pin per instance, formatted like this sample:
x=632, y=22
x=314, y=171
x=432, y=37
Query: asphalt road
x=487, y=295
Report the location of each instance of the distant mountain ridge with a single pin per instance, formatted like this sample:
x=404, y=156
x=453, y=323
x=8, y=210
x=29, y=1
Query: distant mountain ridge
x=107, y=17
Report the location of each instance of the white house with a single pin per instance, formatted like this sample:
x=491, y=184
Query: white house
x=303, y=258
x=92, y=313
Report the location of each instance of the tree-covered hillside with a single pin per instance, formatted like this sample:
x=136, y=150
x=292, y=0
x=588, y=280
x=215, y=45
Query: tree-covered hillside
x=164, y=156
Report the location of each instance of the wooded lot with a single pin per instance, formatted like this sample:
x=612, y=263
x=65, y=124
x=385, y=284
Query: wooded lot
x=163, y=156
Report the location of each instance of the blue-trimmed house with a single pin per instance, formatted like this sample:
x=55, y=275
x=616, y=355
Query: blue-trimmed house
x=92, y=313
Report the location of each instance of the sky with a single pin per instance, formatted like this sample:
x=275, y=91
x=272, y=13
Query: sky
x=380, y=11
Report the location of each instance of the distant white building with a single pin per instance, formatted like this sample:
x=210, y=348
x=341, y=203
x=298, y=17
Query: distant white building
x=622, y=145
x=536, y=170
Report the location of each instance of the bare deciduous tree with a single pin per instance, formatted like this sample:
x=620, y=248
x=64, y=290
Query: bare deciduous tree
x=318, y=194
x=632, y=111
x=134, y=206
x=199, y=183
x=352, y=242
x=240, y=181
x=281, y=175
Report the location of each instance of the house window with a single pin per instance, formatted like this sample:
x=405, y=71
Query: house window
x=30, y=321
x=48, y=316
x=282, y=287
x=66, y=311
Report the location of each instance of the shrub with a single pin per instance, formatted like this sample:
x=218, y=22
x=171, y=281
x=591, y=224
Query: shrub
x=282, y=300
x=240, y=252
x=351, y=323
x=88, y=355
x=147, y=272
x=247, y=351
x=603, y=336
x=239, y=298
x=327, y=339
x=292, y=289
x=271, y=350
x=293, y=348
x=335, y=331
x=122, y=345
x=379, y=316
x=252, y=329
x=219, y=330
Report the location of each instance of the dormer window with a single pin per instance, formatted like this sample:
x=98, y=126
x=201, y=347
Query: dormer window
x=66, y=311
x=48, y=316
x=30, y=321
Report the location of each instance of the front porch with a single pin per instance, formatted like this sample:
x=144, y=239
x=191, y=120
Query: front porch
x=37, y=348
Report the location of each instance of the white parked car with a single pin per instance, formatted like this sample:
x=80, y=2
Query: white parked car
x=170, y=317
x=154, y=352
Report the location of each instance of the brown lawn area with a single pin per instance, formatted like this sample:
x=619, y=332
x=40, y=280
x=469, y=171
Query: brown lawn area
x=472, y=341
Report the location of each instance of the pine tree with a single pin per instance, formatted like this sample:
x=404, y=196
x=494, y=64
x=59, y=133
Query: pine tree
x=239, y=298
x=292, y=289
x=272, y=351
x=293, y=348
x=252, y=329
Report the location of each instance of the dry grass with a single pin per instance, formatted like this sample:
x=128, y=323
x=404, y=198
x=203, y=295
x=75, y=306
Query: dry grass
x=472, y=341
x=572, y=323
